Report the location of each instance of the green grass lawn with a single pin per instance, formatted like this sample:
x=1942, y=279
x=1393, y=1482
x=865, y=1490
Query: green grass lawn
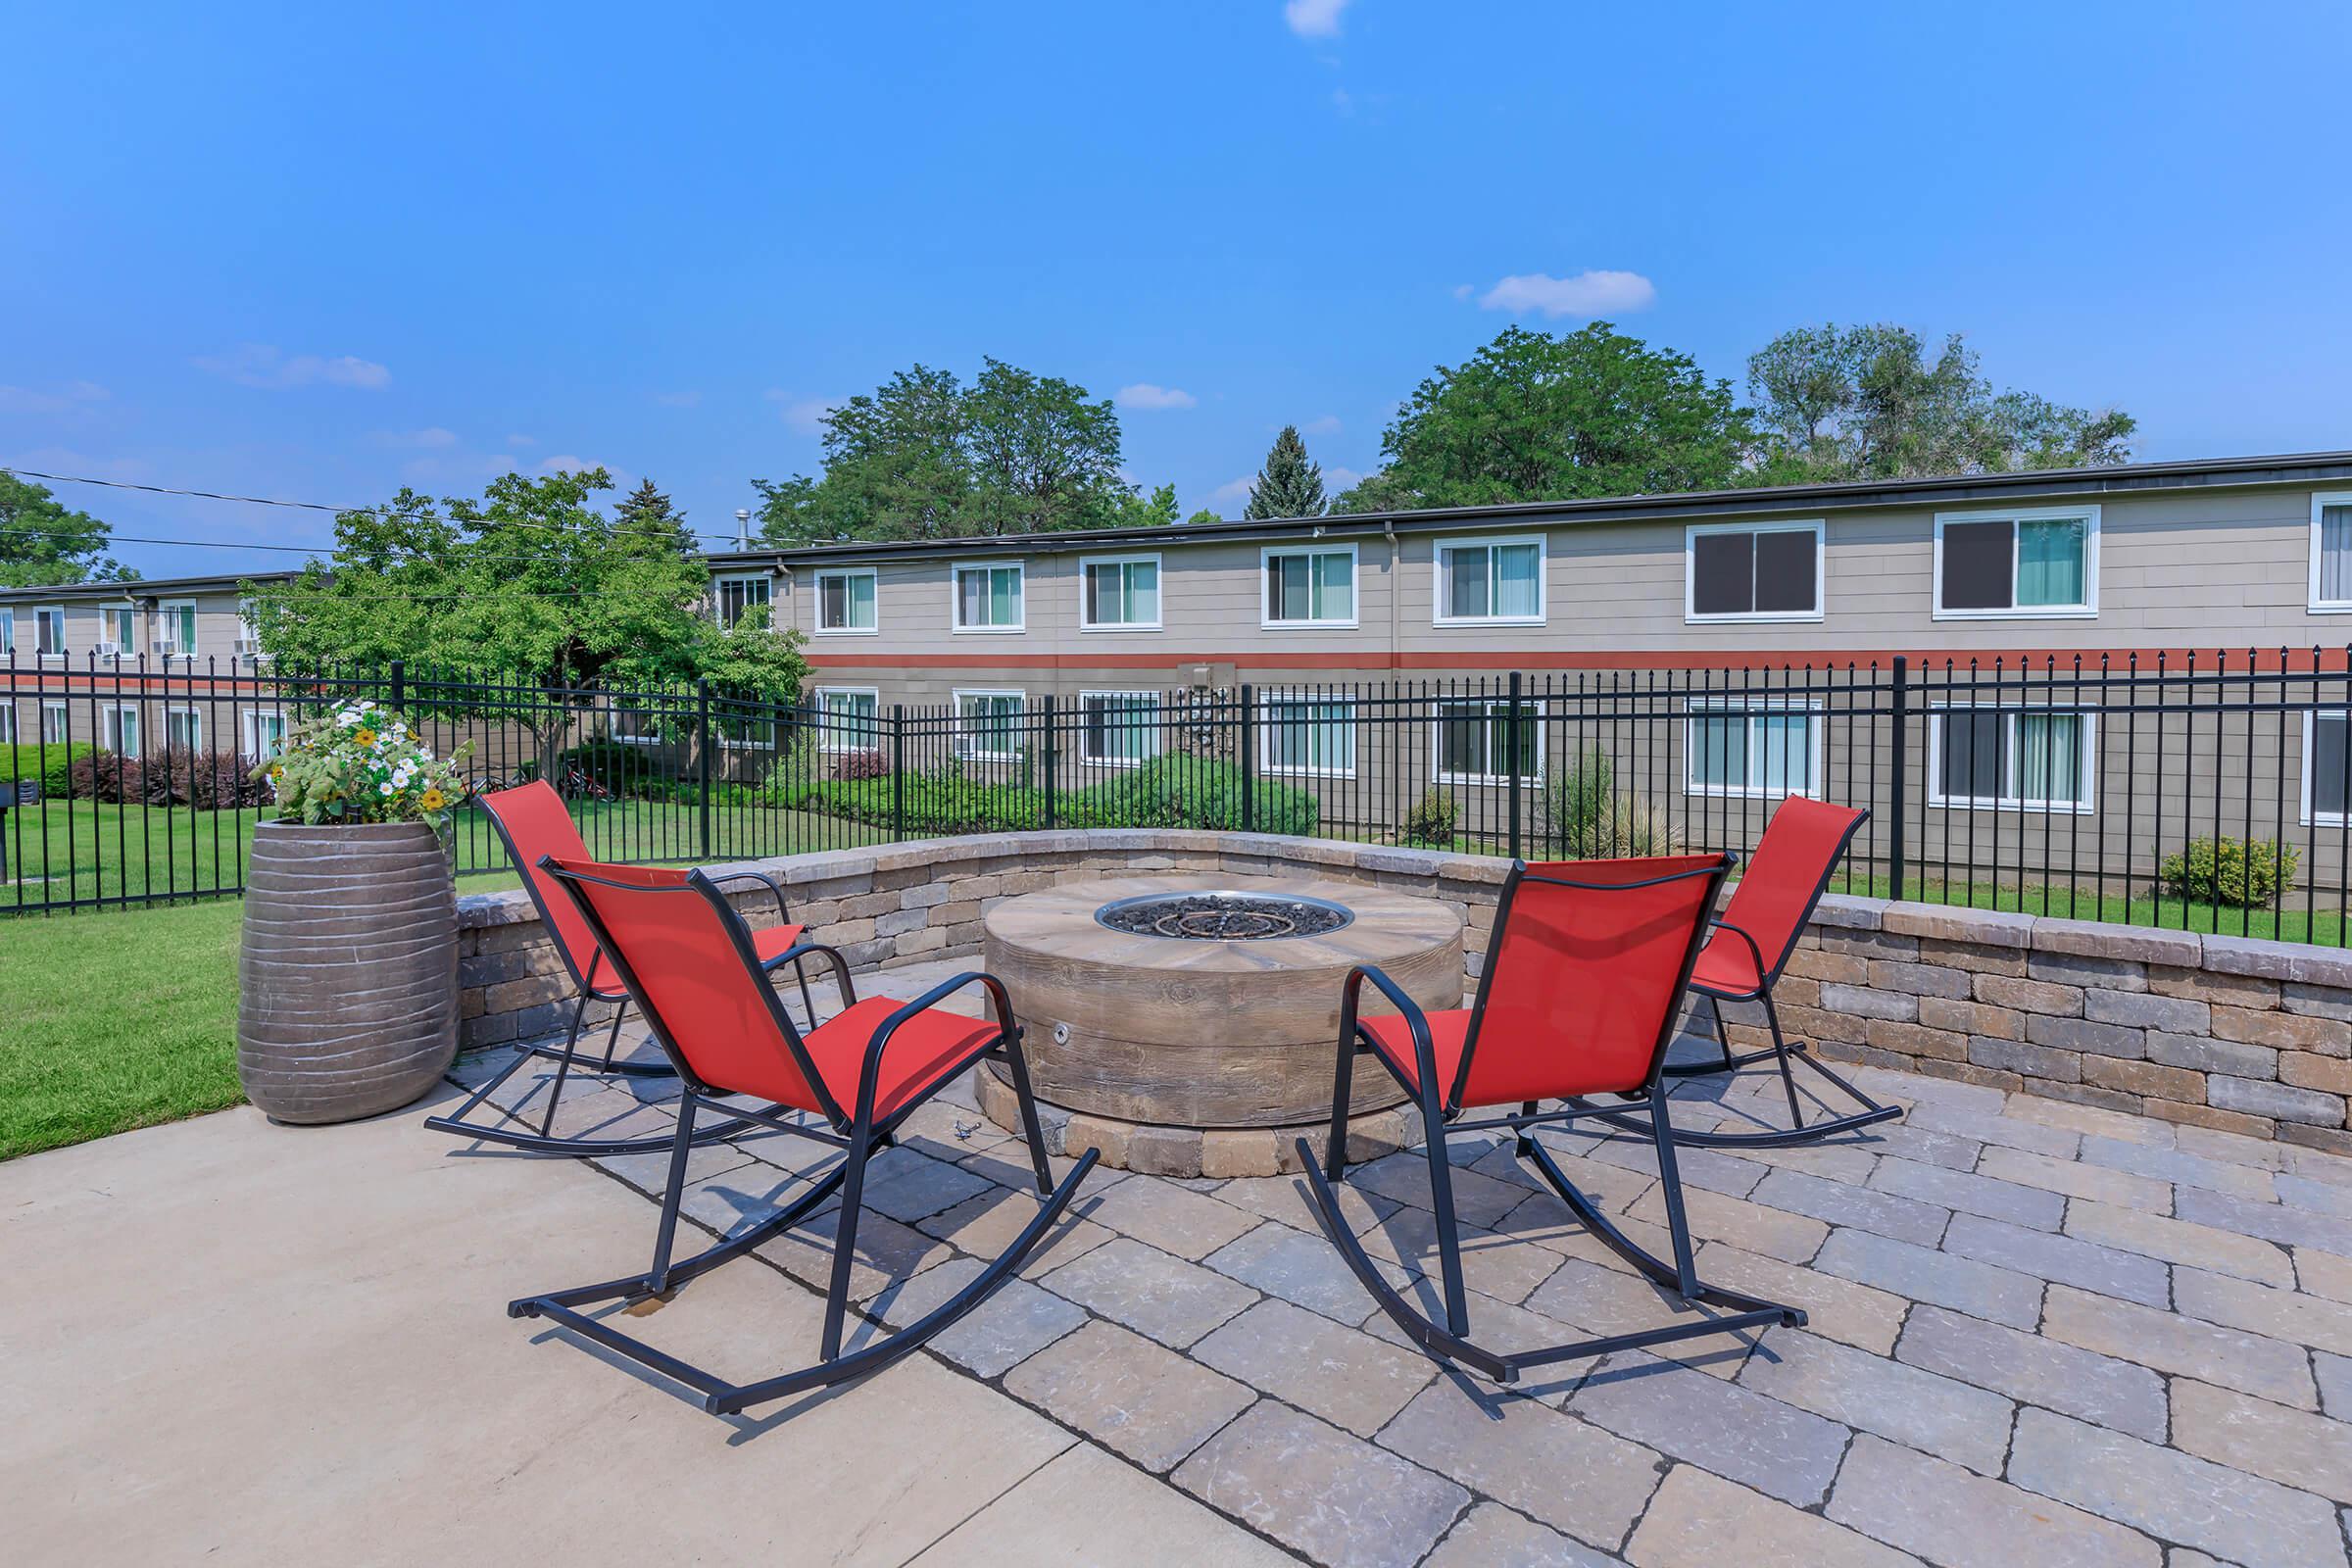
x=116, y=1020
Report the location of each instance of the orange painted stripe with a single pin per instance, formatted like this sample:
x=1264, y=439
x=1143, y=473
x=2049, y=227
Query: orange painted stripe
x=2205, y=660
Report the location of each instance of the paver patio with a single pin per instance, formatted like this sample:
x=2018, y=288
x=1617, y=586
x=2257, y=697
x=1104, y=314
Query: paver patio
x=2041, y=1334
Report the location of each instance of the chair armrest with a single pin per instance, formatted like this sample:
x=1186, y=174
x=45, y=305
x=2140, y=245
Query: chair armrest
x=783, y=911
x=832, y=955
x=1424, y=1049
x=1753, y=951
x=999, y=999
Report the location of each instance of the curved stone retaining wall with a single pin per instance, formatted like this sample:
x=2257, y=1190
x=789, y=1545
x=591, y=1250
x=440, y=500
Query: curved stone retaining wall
x=2251, y=1037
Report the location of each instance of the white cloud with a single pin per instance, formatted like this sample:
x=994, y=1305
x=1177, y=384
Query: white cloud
x=678, y=400
x=1313, y=19
x=1328, y=425
x=520, y=441
x=1145, y=396
x=25, y=400
x=805, y=415
x=1234, y=491
x=568, y=463
x=1336, y=478
x=1584, y=294
x=263, y=364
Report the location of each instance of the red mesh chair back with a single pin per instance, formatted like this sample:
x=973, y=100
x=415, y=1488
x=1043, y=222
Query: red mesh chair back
x=688, y=962
x=532, y=820
x=1585, y=977
x=1801, y=846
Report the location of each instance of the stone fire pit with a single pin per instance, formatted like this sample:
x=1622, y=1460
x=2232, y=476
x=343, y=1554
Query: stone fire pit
x=1181, y=1018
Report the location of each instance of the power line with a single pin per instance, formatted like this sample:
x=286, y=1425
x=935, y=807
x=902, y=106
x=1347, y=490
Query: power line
x=237, y=544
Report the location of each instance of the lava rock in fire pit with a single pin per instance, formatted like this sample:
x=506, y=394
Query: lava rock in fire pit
x=1222, y=916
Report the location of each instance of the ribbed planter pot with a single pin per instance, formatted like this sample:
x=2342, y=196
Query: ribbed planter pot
x=347, y=1000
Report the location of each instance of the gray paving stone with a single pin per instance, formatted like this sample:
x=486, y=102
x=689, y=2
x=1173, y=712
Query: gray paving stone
x=1923, y=1274
x=1713, y=1216
x=2064, y=1259
x=1147, y=1402
x=1403, y=1178
x=1849, y=1163
x=1700, y=1520
x=2252, y=1362
x=2034, y=1370
x=1610, y=1298
x=2173, y=1495
x=1704, y=1169
x=1990, y=1127
x=2335, y=1382
x=1777, y=1449
x=1523, y=1453
x=1502, y=1267
x=2288, y=1224
x=1287, y=1199
x=1162, y=1215
x=2319, y=1197
x=2259, y=1309
x=909, y=1186
x=1924, y=1144
x=1947, y=1516
x=2327, y=1274
x=1918, y=1410
x=1837, y=1308
x=2178, y=1166
x=1504, y=1329
x=1881, y=1213
x=1342, y=1374
x=2072, y=1178
x=2294, y=1447
x=1969, y=1193
x=1298, y=1267
x=1016, y=1322
x=1166, y=1298
x=1334, y=1499
x=986, y=1225
x=1492, y=1535
x=2175, y=1241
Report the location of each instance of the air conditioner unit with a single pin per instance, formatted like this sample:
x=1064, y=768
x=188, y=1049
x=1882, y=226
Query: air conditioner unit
x=109, y=650
x=248, y=646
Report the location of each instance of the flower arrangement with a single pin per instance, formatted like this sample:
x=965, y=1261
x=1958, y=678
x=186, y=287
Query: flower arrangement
x=359, y=764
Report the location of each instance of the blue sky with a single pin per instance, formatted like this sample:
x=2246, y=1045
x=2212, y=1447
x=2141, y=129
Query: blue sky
x=318, y=252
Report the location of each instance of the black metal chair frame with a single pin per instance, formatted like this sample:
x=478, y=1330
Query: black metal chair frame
x=511, y=1129
x=1440, y=1109
x=859, y=1133
x=1782, y=1052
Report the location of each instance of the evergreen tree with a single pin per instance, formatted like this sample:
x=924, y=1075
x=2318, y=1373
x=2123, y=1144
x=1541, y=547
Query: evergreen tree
x=1289, y=485
x=647, y=509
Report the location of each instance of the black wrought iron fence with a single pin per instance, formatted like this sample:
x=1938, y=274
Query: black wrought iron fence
x=2199, y=791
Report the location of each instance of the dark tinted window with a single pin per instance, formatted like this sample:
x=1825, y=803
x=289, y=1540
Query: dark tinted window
x=1785, y=571
x=1723, y=573
x=1979, y=561
x=2330, y=765
x=1972, y=754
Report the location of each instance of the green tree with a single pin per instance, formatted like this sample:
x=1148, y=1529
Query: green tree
x=1290, y=484
x=647, y=509
x=1867, y=403
x=1154, y=511
x=45, y=542
x=1534, y=416
x=533, y=582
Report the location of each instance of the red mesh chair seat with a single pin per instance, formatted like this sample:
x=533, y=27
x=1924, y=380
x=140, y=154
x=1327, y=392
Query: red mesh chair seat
x=923, y=1047
x=1727, y=964
x=1515, y=1079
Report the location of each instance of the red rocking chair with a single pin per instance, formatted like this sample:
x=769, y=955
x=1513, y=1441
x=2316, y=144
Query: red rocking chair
x=1583, y=983
x=690, y=963
x=532, y=823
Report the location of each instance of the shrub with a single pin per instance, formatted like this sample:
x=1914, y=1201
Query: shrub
x=1178, y=790
x=1167, y=792
x=52, y=765
x=362, y=763
x=1430, y=823
x=2242, y=874
x=1587, y=818
x=617, y=765
x=866, y=763
x=206, y=780
x=103, y=776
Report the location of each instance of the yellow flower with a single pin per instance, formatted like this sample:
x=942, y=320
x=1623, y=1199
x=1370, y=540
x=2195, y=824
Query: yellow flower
x=432, y=800
x=363, y=737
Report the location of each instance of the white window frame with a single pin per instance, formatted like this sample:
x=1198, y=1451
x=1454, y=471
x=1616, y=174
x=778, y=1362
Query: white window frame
x=40, y=614
x=2317, y=605
x=1355, y=588
x=2304, y=812
x=1151, y=729
x=64, y=722
x=817, y=615
x=2087, y=765
x=1269, y=726
x=195, y=718
x=1692, y=615
x=110, y=717
x=125, y=646
x=167, y=616
x=8, y=628
x=8, y=721
x=1159, y=592
x=1448, y=544
x=2088, y=610
x=249, y=634
x=955, y=574
x=965, y=746
x=718, y=598
x=825, y=739
x=249, y=725
x=1752, y=709
x=1437, y=750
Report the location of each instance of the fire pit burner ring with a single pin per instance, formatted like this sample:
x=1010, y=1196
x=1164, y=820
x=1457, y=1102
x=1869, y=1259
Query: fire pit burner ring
x=1223, y=916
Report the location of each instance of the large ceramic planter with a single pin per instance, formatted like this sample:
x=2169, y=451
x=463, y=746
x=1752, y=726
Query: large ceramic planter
x=347, y=1000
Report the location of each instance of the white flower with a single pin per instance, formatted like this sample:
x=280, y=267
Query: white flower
x=348, y=715
x=384, y=789
x=367, y=708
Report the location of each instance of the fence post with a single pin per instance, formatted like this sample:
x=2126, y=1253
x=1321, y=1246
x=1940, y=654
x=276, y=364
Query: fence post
x=703, y=748
x=1511, y=758
x=1046, y=744
x=1249, y=750
x=1897, y=771
x=897, y=770
x=400, y=683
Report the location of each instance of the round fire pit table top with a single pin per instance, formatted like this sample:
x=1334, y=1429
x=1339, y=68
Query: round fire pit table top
x=1187, y=1030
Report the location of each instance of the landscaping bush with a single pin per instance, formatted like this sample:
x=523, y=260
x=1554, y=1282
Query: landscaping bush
x=1430, y=823
x=860, y=764
x=206, y=780
x=1587, y=818
x=1166, y=792
x=2244, y=876
x=103, y=776
x=617, y=765
x=52, y=765
x=1178, y=790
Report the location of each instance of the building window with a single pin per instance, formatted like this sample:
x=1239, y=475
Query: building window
x=2331, y=552
x=844, y=600
x=2017, y=564
x=2013, y=758
x=176, y=628
x=1119, y=727
x=117, y=631
x=1120, y=593
x=1768, y=749
x=1303, y=733
x=264, y=734
x=119, y=728
x=1474, y=743
x=1310, y=587
x=1490, y=581
x=249, y=632
x=56, y=723
x=736, y=594
x=988, y=597
x=183, y=728
x=49, y=631
x=989, y=726
x=7, y=630
x=849, y=718
x=8, y=723
x=1750, y=571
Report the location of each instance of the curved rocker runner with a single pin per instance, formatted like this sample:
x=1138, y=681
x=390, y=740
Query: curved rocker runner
x=1583, y=983
x=690, y=966
x=533, y=823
